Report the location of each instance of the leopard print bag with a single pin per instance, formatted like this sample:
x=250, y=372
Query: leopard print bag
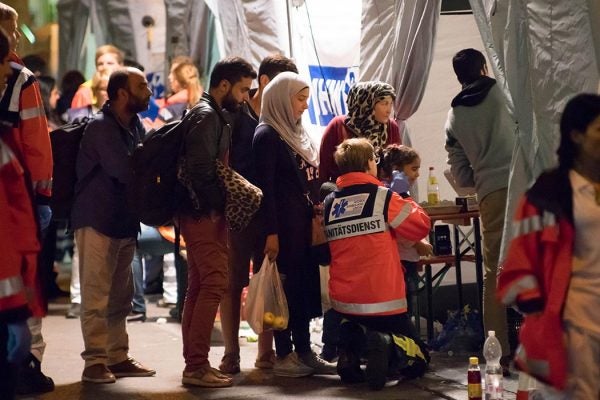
x=242, y=199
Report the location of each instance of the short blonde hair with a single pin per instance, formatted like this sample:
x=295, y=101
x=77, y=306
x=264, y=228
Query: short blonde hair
x=353, y=155
x=7, y=12
x=109, y=48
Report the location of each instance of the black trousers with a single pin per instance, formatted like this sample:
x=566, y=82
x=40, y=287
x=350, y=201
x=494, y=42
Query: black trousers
x=8, y=376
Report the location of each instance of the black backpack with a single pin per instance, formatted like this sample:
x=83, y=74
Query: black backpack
x=157, y=192
x=65, y=141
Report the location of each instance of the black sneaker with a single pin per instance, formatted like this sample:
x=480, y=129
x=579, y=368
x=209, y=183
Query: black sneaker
x=348, y=367
x=378, y=358
x=136, y=316
x=31, y=380
x=329, y=353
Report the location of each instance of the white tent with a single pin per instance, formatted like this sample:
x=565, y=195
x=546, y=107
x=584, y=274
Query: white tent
x=542, y=51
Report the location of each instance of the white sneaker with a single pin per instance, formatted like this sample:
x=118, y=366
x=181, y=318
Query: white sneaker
x=291, y=366
x=320, y=366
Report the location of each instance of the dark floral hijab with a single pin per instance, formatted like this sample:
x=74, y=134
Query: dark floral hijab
x=361, y=101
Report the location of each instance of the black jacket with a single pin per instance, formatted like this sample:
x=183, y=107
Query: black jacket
x=104, y=176
x=207, y=140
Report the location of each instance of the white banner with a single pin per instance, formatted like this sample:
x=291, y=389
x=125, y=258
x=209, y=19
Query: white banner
x=325, y=46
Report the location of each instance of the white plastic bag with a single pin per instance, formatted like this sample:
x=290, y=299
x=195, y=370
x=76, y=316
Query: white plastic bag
x=266, y=303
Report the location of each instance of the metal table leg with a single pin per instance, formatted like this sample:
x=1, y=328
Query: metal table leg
x=429, y=288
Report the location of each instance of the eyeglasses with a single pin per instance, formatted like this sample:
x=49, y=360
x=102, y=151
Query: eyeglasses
x=376, y=158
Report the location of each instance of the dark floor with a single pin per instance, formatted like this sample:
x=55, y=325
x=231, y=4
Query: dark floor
x=157, y=343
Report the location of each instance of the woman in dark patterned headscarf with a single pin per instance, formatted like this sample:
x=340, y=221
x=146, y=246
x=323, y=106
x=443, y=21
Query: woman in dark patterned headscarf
x=370, y=106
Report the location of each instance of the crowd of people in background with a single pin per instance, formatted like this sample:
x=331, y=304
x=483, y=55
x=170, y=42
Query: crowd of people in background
x=359, y=179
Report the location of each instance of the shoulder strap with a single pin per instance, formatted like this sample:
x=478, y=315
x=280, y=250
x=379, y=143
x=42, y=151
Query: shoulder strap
x=301, y=178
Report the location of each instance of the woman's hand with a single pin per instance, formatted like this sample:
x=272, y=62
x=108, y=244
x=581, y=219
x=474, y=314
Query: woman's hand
x=272, y=247
x=424, y=249
x=318, y=209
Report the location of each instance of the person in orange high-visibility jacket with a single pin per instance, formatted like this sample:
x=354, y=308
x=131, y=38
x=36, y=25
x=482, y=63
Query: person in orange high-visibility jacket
x=366, y=284
x=552, y=269
x=19, y=293
x=362, y=219
x=18, y=287
x=21, y=105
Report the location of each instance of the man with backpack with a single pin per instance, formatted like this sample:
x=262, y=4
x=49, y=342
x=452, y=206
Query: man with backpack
x=106, y=227
x=249, y=243
x=201, y=216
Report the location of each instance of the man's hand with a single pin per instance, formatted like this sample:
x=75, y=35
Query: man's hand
x=19, y=341
x=272, y=247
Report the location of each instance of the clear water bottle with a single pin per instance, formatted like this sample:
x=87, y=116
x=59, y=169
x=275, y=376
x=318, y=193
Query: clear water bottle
x=492, y=352
x=433, y=188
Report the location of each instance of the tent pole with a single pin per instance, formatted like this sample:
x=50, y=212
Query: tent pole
x=289, y=21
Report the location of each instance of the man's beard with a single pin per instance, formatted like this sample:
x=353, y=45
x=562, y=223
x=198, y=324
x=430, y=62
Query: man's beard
x=229, y=103
x=136, y=105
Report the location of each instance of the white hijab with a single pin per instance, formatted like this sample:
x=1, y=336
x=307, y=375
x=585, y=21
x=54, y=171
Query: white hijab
x=277, y=112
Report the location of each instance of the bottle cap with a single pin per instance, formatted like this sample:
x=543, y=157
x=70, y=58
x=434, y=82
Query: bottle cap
x=473, y=360
x=491, y=333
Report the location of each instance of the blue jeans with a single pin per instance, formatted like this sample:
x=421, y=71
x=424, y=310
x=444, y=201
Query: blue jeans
x=138, y=302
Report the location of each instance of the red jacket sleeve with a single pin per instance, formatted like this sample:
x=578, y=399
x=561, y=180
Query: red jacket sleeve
x=518, y=281
x=34, y=138
x=332, y=136
x=19, y=289
x=407, y=218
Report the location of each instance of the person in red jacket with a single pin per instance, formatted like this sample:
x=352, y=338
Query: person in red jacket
x=552, y=270
x=21, y=105
x=18, y=289
x=366, y=284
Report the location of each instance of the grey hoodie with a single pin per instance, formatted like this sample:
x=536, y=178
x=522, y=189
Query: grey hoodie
x=480, y=137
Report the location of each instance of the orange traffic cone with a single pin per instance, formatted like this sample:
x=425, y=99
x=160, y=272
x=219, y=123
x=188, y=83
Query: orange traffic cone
x=523, y=387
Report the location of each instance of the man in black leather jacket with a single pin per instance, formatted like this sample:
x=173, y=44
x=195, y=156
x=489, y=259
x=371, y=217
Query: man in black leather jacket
x=201, y=216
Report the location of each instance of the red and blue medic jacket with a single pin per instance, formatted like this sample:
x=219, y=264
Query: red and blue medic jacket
x=362, y=219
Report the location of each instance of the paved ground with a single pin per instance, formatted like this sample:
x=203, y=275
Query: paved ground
x=157, y=343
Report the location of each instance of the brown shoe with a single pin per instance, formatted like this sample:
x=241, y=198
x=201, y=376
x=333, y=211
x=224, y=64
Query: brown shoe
x=130, y=367
x=206, y=377
x=98, y=373
x=230, y=364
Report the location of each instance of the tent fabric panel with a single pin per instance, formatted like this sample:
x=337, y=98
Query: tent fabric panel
x=544, y=60
x=397, y=42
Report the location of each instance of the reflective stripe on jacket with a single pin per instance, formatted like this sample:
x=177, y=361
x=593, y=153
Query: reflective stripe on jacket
x=22, y=106
x=362, y=219
x=19, y=244
x=536, y=273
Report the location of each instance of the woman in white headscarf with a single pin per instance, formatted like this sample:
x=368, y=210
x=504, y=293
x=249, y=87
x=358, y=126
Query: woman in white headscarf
x=286, y=168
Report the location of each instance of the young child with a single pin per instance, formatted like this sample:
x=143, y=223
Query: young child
x=399, y=169
x=552, y=271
